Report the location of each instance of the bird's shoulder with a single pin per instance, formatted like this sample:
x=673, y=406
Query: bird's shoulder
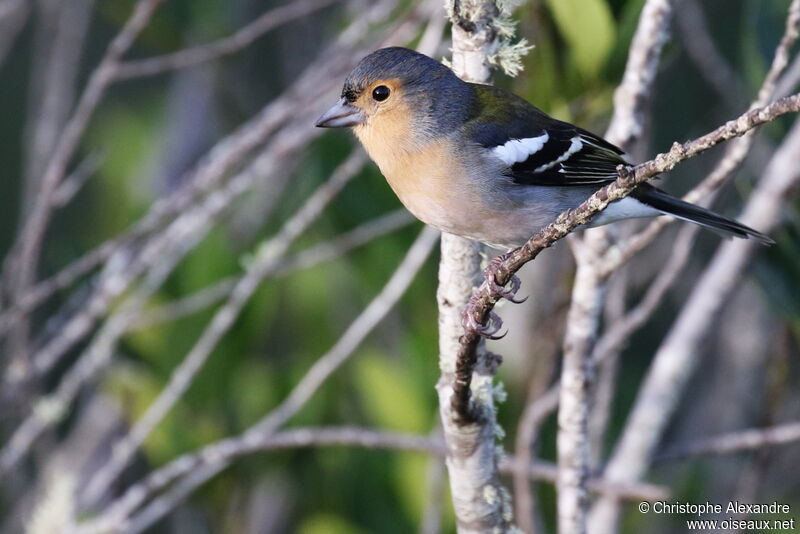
x=536, y=148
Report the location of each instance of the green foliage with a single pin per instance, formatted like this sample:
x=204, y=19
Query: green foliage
x=328, y=524
x=589, y=29
x=393, y=397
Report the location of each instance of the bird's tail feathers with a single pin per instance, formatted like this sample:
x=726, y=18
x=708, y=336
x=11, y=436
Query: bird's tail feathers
x=676, y=207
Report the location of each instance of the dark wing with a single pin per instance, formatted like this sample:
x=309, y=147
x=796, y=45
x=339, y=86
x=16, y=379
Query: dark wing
x=538, y=149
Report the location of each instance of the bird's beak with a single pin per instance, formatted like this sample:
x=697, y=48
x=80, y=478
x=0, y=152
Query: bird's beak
x=341, y=115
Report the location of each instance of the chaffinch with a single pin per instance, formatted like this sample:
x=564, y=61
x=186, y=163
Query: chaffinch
x=482, y=163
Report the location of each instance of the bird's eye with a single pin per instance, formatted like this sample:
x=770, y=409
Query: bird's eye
x=380, y=93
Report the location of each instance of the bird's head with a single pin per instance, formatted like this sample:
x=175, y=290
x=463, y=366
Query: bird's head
x=400, y=91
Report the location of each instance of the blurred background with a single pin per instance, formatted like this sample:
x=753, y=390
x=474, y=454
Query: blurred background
x=152, y=131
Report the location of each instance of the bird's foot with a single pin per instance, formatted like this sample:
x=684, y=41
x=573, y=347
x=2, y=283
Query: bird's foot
x=488, y=330
x=508, y=293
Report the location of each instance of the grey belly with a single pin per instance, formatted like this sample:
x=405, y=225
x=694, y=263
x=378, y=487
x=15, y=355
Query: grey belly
x=510, y=215
x=515, y=213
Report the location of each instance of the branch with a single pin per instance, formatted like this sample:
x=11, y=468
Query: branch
x=711, y=65
x=235, y=42
x=219, y=454
x=305, y=259
x=606, y=512
x=267, y=257
x=13, y=16
x=469, y=426
x=214, y=169
x=620, y=330
x=735, y=153
x=589, y=289
x=677, y=358
x=21, y=264
x=484, y=298
x=531, y=420
x=205, y=464
x=744, y=440
x=630, y=98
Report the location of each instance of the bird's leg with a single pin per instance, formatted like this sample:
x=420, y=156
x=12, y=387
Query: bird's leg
x=488, y=330
x=509, y=293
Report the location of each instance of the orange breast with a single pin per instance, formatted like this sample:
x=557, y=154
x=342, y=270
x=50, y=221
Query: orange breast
x=427, y=177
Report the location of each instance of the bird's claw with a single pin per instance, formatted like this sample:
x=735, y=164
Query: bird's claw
x=508, y=293
x=488, y=330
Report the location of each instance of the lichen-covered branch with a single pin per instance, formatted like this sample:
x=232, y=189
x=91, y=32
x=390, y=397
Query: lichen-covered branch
x=481, y=39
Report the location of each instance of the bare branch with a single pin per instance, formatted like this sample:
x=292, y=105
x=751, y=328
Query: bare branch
x=531, y=420
x=485, y=298
x=744, y=440
x=346, y=242
x=676, y=358
x=627, y=124
x=735, y=153
x=267, y=256
x=206, y=465
x=21, y=265
x=789, y=80
x=215, y=167
x=620, y=331
x=219, y=162
x=13, y=16
x=588, y=293
x=220, y=453
x=782, y=52
x=431, y=522
x=547, y=472
x=465, y=388
x=700, y=48
x=77, y=179
x=305, y=259
x=235, y=42
x=577, y=376
x=50, y=409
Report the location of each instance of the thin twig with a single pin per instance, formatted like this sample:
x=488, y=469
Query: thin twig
x=267, y=256
x=588, y=293
x=485, y=298
x=677, y=358
x=630, y=98
x=744, y=440
x=77, y=179
x=50, y=409
x=305, y=259
x=531, y=420
x=346, y=242
x=21, y=264
x=163, y=251
x=619, y=331
x=231, y=44
x=711, y=65
x=13, y=16
x=734, y=154
x=218, y=453
x=216, y=165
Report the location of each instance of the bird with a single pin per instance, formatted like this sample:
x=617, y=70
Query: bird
x=483, y=163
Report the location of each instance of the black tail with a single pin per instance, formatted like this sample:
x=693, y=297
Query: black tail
x=676, y=207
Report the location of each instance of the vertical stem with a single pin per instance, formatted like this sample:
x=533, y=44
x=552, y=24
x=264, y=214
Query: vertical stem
x=588, y=294
x=572, y=441
x=480, y=501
